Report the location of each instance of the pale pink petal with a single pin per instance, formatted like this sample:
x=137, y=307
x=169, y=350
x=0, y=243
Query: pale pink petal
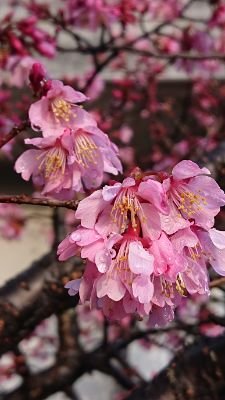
x=215, y=255
x=81, y=118
x=87, y=284
x=113, y=288
x=139, y=260
x=187, y=169
x=67, y=249
x=103, y=260
x=73, y=286
x=41, y=142
x=104, y=223
x=182, y=238
x=27, y=163
x=218, y=238
x=143, y=289
x=89, y=209
x=153, y=192
x=113, y=238
x=210, y=191
x=110, y=192
x=128, y=182
x=150, y=223
x=84, y=237
x=73, y=96
x=174, y=221
x=91, y=250
x=38, y=113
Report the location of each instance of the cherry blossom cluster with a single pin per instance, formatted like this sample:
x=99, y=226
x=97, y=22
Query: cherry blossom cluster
x=73, y=153
x=148, y=242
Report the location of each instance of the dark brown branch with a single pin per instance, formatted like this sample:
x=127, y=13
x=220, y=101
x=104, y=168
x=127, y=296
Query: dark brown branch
x=24, y=199
x=171, y=57
x=33, y=296
x=195, y=374
x=14, y=132
x=39, y=386
x=217, y=282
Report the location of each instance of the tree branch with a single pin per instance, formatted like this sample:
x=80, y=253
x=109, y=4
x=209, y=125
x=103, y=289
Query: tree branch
x=14, y=132
x=196, y=373
x=24, y=199
x=33, y=296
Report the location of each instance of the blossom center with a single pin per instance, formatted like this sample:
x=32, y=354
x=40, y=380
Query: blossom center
x=126, y=208
x=61, y=110
x=180, y=286
x=86, y=150
x=168, y=287
x=190, y=203
x=54, y=161
x=120, y=264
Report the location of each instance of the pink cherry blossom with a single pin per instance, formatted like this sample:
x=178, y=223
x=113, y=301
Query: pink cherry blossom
x=111, y=206
x=48, y=165
x=192, y=196
x=71, y=162
x=143, y=257
x=57, y=110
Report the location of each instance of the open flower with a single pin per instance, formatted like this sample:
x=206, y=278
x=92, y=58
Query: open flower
x=94, y=154
x=142, y=259
x=192, y=196
x=58, y=109
x=69, y=163
x=48, y=164
x=115, y=206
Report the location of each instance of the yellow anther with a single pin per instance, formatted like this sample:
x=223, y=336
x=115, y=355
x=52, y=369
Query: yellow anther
x=180, y=286
x=86, y=151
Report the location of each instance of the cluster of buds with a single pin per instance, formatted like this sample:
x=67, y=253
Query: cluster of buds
x=73, y=153
x=23, y=36
x=148, y=242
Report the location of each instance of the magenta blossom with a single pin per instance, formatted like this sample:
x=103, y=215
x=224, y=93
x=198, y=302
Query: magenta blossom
x=57, y=110
x=48, y=164
x=193, y=196
x=114, y=207
x=71, y=162
x=94, y=154
x=147, y=247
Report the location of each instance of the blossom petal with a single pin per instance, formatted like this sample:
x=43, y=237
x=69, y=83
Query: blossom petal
x=103, y=260
x=153, y=192
x=218, y=238
x=140, y=261
x=73, y=286
x=110, y=192
x=27, y=163
x=187, y=169
x=113, y=288
x=89, y=209
x=143, y=289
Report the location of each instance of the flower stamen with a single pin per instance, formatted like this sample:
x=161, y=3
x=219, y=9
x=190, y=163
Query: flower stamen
x=86, y=151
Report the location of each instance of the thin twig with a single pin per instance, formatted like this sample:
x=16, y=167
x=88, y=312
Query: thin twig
x=14, y=132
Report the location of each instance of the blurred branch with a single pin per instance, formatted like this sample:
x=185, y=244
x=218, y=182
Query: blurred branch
x=14, y=132
x=217, y=282
x=33, y=296
x=24, y=199
x=196, y=373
